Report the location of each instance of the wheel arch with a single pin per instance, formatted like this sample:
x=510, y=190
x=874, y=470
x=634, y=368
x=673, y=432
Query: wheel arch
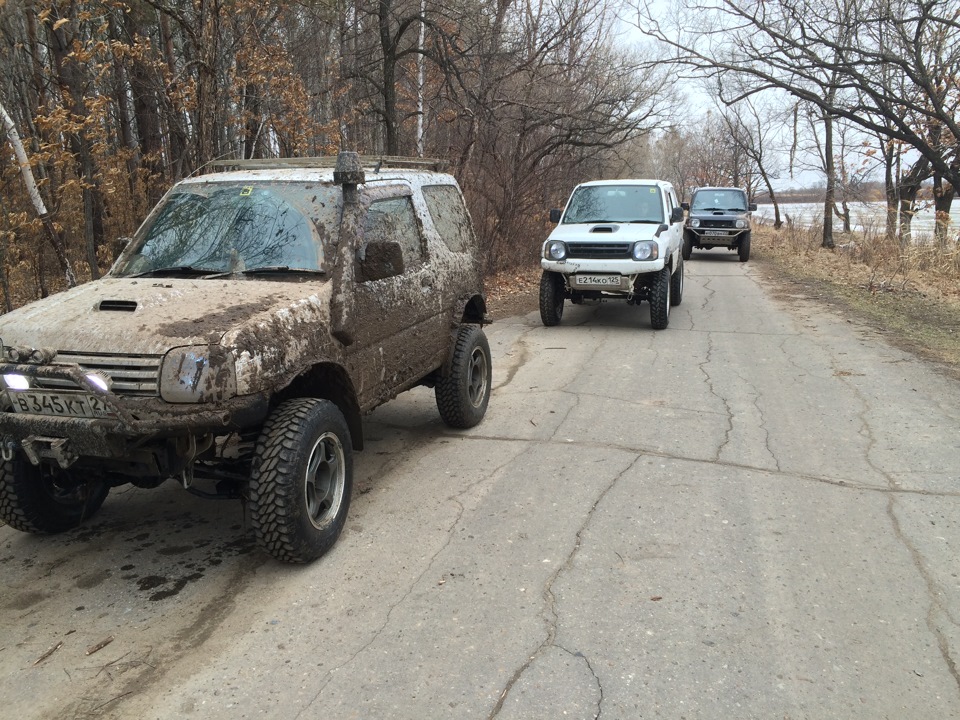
x=329, y=381
x=473, y=310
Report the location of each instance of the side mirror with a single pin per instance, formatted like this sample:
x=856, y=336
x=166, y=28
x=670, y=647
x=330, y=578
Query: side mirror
x=555, y=214
x=676, y=215
x=379, y=260
x=685, y=206
x=753, y=207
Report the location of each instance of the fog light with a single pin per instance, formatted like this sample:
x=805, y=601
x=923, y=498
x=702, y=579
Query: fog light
x=16, y=382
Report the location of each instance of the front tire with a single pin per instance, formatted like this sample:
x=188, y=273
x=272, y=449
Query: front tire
x=463, y=394
x=551, y=298
x=46, y=500
x=744, y=250
x=676, y=286
x=301, y=480
x=660, y=300
x=687, y=250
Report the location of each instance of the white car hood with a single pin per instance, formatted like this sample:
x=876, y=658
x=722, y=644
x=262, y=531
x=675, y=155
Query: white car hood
x=622, y=232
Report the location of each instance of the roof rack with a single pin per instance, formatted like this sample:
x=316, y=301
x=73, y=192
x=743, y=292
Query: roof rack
x=375, y=162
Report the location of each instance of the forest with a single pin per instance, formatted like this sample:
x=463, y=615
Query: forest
x=106, y=104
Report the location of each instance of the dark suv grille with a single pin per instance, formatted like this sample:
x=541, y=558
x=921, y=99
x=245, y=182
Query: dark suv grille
x=726, y=224
x=600, y=251
x=131, y=374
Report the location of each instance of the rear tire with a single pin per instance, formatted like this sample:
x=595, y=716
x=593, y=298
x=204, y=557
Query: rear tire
x=744, y=250
x=462, y=396
x=301, y=480
x=46, y=500
x=660, y=300
x=676, y=286
x=551, y=298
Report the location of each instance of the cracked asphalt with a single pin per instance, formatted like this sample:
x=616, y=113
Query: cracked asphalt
x=752, y=514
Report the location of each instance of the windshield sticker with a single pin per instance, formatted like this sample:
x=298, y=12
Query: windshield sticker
x=246, y=191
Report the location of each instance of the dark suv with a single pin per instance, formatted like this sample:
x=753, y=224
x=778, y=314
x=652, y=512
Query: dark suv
x=237, y=341
x=718, y=217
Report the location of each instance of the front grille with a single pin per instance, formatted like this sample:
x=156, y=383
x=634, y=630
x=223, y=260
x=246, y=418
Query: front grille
x=725, y=224
x=131, y=374
x=599, y=251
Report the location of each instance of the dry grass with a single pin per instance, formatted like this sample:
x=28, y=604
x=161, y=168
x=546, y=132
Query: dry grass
x=912, y=294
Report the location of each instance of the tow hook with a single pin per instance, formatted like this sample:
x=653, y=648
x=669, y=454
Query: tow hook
x=8, y=449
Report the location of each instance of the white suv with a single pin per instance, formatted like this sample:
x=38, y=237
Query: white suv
x=616, y=239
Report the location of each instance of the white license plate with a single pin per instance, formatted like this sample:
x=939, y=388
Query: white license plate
x=597, y=281
x=42, y=402
x=716, y=233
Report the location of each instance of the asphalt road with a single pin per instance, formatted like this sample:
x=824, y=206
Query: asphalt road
x=752, y=514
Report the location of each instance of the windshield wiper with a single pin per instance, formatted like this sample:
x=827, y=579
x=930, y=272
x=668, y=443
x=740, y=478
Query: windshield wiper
x=188, y=269
x=281, y=269
x=736, y=209
x=705, y=209
x=647, y=221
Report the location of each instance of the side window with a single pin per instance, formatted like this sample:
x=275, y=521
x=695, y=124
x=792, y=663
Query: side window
x=394, y=220
x=449, y=216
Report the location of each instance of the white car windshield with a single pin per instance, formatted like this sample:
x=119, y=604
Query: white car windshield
x=615, y=204
x=224, y=228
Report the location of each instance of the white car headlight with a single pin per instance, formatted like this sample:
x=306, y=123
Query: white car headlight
x=647, y=250
x=555, y=250
x=198, y=374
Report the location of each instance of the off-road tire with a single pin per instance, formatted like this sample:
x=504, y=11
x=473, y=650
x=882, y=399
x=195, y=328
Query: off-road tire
x=660, y=300
x=744, y=249
x=687, y=249
x=46, y=500
x=464, y=391
x=301, y=480
x=551, y=298
x=676, y=285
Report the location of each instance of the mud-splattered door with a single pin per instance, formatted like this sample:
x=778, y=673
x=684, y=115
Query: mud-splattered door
x=399, y=326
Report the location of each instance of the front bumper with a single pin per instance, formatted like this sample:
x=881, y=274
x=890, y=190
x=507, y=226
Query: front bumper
x=721, y=238
x=626, y=268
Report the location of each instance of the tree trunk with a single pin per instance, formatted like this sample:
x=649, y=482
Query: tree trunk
x=942, y=200
x=56, y=240
x=831, y=181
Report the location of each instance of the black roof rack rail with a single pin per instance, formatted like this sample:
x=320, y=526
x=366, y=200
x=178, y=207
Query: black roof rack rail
x=374, y=162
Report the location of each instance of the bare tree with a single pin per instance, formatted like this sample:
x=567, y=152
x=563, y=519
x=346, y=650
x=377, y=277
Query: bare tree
x=888, y=66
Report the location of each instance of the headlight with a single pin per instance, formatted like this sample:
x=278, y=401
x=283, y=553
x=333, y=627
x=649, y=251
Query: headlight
x=16, y=382
x=741, y=224
x=647, y=250
x=695, y=223
x=198, y=374
x=555, y=250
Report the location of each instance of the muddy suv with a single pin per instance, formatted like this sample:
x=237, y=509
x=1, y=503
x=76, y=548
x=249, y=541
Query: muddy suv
x=616, y=240
x=257, y=314
x=718, y=217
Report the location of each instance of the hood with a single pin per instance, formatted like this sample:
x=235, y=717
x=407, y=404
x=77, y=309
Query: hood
x=149, y=316
x=604, y=232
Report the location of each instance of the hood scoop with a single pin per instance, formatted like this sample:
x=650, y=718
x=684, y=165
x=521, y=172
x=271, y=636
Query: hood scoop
x=117, y=305
x=604, y=228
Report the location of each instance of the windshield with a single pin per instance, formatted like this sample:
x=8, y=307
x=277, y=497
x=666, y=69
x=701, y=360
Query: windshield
x=615, y=204
x=235, y=227
x=726, y=200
